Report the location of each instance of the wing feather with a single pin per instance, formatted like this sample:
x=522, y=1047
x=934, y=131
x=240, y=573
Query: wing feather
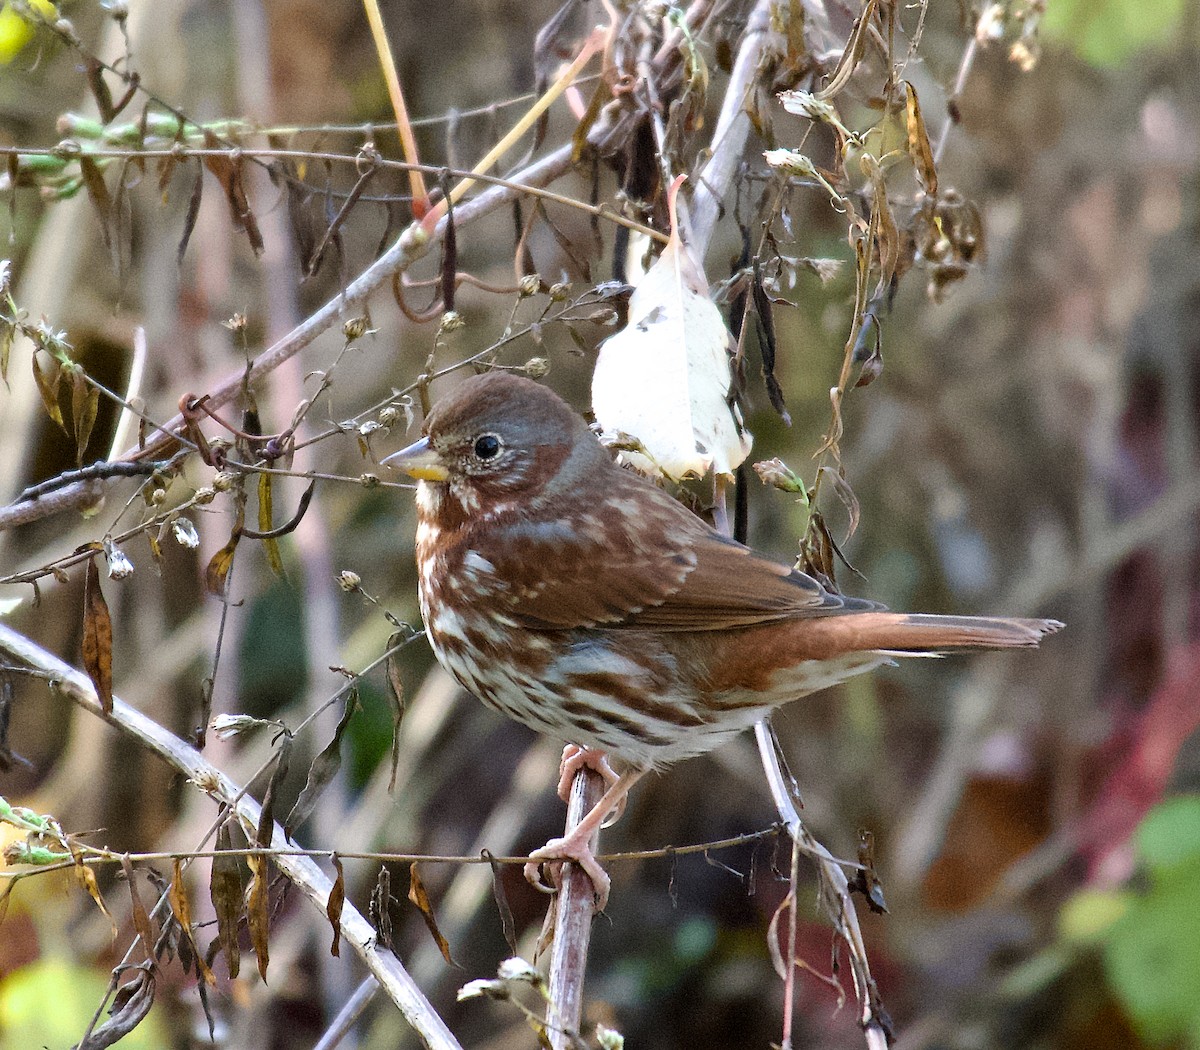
x=640, y=560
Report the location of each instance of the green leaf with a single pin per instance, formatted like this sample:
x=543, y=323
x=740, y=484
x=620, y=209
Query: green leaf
x=1170, y=834
x=50, y=1002
x=1153, y=960
x=1110, y=32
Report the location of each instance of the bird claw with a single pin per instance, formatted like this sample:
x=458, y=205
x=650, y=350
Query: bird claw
x=533, y=875
x=571, y=849
x=574, y=758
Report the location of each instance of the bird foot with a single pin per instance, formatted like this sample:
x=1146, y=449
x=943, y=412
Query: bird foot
x=577, y=849
x=575, y=758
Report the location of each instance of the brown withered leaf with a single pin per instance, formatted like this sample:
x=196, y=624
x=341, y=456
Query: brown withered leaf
x=396, y=697
x=219, y=565
x=97, y=636
x=333, y=906
x=420, y=897
x=379, y=909
x=141, y=918
x=99, y=89
x=97, y=191
x=918, y=142
x=85, y=403
x=130, y=1007
x=190, y=216
x=767, y=344
x=507, y=924
x=579, y=137
x=87, y=879
x=449, y=272
x=323, y=769
x=852, y=54
x=865, y=880
x=257, y=914
x=228, y=170
x=841, y=487
x=266, y=817
x=182, y=910
x=47, y=384
x=225, y=891
x=883, y=225
x=265, y=517
x=8, y=332
x=868, y=348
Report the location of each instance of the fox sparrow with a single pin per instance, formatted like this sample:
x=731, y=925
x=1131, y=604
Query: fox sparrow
x=577, y=597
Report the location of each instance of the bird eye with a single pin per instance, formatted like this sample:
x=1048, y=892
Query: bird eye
x=487, y=446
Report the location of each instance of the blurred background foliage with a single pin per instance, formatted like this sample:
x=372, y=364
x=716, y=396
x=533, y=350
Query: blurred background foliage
x=1030, y=448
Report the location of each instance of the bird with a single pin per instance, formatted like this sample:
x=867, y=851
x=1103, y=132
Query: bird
x=574, y=595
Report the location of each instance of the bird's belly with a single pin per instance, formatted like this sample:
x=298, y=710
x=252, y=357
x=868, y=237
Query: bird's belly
x=585, y=688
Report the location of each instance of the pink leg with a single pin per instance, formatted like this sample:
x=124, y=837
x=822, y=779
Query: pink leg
x=576, y=845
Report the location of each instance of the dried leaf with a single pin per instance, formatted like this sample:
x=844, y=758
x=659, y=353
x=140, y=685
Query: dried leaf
x=333, y=906
x=865, y=880
x=225, y=891
x=323, y=769
x=766, y=342
x=264, y=833
x=257, y=915
x=882, y=225
x=190, y=216
x=270, y=544
x=87, y=879
x=852, y=53
x=97, y=191
x=131, y=1005
x=579, y=137
x=47, y=384
x=100, y=92
x=396, y=696
x=502, y=906
x=97, y=637
x=141, y=917
x=219, y=565
x=420, y=897
x=379, y=909
x=665, y=379
x=85, y=403
x=228, y=170
x=918, y=142
x=8, y=331
x=449, y=259
x=844, y=493
x=868, y=350
x=182, y=910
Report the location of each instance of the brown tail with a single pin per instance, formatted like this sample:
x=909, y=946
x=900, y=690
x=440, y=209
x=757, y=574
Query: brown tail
x=917, y=632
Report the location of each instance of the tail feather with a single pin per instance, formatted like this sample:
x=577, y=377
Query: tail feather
x=924, y=633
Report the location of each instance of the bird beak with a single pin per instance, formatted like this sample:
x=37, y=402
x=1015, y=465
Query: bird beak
x=420, y=461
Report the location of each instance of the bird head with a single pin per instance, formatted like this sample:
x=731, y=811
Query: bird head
x=498, y=437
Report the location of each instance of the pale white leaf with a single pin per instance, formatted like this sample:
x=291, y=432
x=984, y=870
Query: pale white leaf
x=664, y=379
